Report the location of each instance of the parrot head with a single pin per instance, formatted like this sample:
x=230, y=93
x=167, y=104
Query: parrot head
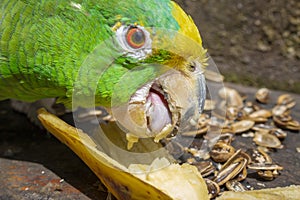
x=160, y=67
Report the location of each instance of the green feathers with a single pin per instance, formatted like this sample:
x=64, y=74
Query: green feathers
x=45, y=46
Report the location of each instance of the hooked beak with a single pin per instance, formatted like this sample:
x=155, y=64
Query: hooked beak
x=169, y=105
x=188, y=94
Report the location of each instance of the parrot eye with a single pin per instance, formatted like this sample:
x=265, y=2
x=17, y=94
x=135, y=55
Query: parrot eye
x=135, y=37
x=135, y=41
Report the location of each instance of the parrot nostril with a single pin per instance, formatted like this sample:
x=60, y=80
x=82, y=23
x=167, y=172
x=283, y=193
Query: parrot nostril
x=194, y=66
x=191, y=67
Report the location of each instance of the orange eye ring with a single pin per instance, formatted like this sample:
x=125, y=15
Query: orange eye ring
x=135, y=37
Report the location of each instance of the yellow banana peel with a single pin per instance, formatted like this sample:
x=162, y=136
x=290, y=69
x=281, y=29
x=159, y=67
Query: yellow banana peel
x=180, y=182
x=280, y=193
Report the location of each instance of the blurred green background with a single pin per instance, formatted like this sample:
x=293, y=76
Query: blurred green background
x=253, y=42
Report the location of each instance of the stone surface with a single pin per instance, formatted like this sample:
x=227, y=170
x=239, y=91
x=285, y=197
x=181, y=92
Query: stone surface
x=27, y=180
x=32, y=164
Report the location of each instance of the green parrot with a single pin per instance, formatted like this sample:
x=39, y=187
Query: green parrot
x=143, y=60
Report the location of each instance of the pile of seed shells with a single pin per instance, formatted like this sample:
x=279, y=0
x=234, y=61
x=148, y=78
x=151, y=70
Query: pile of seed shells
x=224, y=166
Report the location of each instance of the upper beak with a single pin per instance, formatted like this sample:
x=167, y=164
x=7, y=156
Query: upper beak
x=194, y=109
x=187, y=93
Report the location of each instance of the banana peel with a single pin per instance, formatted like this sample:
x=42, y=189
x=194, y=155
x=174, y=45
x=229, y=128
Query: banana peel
x=175, y=181
x=281, y=193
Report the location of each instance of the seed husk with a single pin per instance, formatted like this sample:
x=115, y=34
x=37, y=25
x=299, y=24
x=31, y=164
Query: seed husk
x=232, y=97
x=263, y=113
x=242, y=126
x=264, y=166
x=232, y=170
x=279, y=133
x=287, y=100
x=221, y=152
x=279, y=110
x=262, y=95
x=266, y=140
x=234, y=185
x=242, y=175
x=213, y=188
x=205, y=168
x=266, y=175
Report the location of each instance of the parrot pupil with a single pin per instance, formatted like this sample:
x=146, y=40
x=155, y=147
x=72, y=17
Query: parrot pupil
x=135, y=38
x=138, y=37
